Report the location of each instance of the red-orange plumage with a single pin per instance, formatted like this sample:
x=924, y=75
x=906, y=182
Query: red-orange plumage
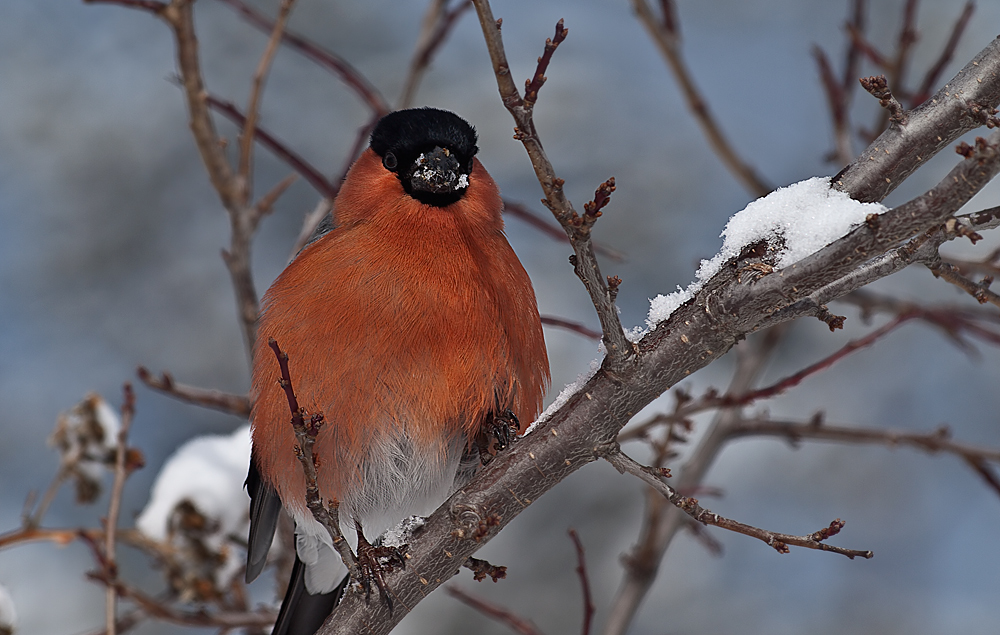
x=407, y=319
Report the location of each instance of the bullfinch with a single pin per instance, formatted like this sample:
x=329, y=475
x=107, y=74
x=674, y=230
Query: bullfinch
x=412, y=327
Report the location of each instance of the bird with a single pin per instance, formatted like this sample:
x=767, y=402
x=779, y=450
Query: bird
x=411, y=325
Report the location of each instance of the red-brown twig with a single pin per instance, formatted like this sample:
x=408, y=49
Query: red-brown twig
x=838, y=100
x=152, y=6
x=280, y=149
x=576, y=327
x=324, y=58
x=437, y=24
x=111, y=531
x=780, y=542
x=581, y=571
x=237, y=405
x=934, y=73
x=936, y=441
x=795, y=379
x=533, y=85
x=515, y=622
x=668, y=41
x=305, y=435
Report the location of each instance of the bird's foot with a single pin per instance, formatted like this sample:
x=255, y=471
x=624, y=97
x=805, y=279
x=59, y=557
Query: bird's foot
x=374, y=562
x=499, y=431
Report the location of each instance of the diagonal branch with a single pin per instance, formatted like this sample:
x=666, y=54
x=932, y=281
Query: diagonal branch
x=238, y=405
x=317, y=54
x=253, y=104
x=619, y=349
x=780, y=542
x=668, y=41
x=437, y=24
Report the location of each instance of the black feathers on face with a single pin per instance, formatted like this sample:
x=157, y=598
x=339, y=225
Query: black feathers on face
x=430, y=150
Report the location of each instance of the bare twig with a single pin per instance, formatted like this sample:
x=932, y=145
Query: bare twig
x=305, y=434
x=153, y=6
x=581, y=571
x=668, y=41
x=934, y=73
x=838, y=100
x=253, y=104
x=324, y=58
x=280, y=149
x=237, y=405
x=662, y=521
x=619, y=350
x=569, y=325
x=515, y=622
x=437, y=24
x=121, y=472
x=936, y=441
x=524, y=213
x=780, y=542
x=979, y=290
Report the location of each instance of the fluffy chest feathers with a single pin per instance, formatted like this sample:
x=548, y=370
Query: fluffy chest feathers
x=419, y=325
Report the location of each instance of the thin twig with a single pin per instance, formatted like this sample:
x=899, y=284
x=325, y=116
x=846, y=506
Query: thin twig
x=569, y=325
x=585, y=265
x=934, y=73
x=127, y=413
x=437, y=24
x=979, y=290
x=838, y=100
x=253, y=104
x=323, y=57
x=524, y=213
x=668, y=42
x=581, y=571
x=661, y=520
x=935, y=441
x=238, y=405
x=280, y=149
x=515, y=622
x=305, y=435
x=152, y=6
x=780, y=542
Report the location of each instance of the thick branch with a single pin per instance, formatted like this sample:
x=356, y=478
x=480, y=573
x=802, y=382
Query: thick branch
x=935, y=124
x=697, y=333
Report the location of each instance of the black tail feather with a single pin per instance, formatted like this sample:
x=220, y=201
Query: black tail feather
x=301, y=612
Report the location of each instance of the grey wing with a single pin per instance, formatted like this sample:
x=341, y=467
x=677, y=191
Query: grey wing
x=265, y=507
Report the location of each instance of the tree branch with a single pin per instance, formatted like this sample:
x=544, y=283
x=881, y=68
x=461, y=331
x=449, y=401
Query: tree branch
x=780, y=542
x=619, y=350
x=237, y=405
x=724, y=311
x=667, y=40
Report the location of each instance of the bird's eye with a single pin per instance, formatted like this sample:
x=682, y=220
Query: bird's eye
x=389, y=161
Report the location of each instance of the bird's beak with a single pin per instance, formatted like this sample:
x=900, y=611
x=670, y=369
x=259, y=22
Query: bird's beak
x=438, y=172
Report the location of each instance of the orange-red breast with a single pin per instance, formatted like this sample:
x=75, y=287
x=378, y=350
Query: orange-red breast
x=411, y=325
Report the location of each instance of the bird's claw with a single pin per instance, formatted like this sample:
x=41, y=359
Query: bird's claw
x=498, y=433
x=374, y=562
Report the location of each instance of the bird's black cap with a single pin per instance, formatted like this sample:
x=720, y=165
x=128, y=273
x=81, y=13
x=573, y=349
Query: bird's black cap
x=410, y=143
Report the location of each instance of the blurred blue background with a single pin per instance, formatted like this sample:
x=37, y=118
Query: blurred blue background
x=109, y=258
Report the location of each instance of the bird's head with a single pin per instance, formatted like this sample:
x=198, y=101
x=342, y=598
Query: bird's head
x=431, y=152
